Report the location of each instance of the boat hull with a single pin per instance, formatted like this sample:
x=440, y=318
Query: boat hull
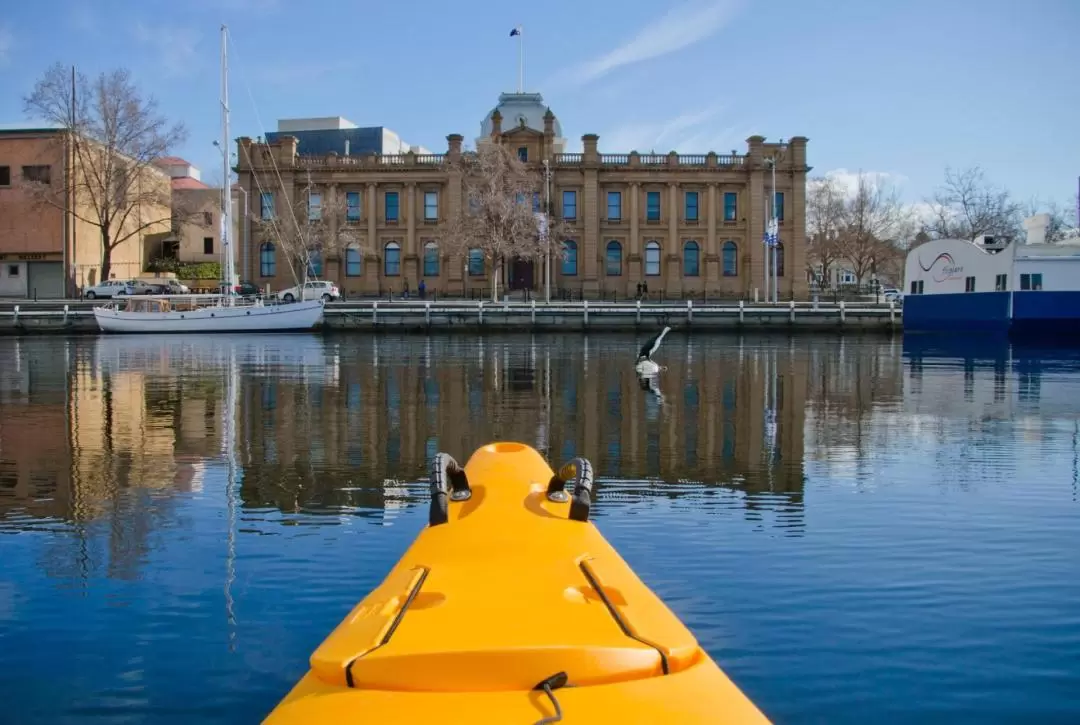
x=297, y=316
x=506, y=588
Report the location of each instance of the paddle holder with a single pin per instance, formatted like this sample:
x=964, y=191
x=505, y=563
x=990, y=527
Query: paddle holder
x=448, y=483
x=580, y=472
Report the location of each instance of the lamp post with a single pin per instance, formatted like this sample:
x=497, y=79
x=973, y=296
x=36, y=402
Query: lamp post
x=547, y=240
x=772, y=235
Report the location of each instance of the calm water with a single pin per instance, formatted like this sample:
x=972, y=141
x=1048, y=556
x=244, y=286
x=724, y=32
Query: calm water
x=857, y=531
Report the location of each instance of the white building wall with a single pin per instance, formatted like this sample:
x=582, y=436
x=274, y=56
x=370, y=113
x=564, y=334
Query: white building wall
x=944, y=265
x=1059, y=273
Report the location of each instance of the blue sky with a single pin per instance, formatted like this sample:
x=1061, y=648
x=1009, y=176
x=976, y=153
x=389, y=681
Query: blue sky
x=897, y=88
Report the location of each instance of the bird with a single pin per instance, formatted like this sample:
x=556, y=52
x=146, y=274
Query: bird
x=645, y=364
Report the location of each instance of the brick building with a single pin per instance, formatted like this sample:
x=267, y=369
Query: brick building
x=686, y=225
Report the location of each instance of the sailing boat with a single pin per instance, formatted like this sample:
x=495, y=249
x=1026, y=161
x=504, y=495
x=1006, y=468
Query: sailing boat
x=211, y=313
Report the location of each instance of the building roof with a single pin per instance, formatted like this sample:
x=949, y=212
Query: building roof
x=186, y=182
x=515, y=107
x=172, y=161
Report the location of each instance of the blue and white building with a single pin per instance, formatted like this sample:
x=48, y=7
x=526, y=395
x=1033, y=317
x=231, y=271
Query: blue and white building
x=954, y=285
x=334, y=134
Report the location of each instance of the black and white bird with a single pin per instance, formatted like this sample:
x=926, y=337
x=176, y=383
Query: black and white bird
x=645, y=364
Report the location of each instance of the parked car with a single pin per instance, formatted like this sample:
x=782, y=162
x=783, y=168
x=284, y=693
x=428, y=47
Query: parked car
x=327, y=290
x=166, y=287
x=109, y=288
x=247, y=288
x=891, y=294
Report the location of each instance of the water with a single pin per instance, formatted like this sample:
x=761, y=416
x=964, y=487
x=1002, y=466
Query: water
x=856, y=530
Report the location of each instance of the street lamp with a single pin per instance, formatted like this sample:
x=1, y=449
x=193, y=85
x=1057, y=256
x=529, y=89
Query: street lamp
x=772, y=229
x=547, y=240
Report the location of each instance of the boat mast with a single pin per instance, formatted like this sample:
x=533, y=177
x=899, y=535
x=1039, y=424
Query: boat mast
x=226, y=184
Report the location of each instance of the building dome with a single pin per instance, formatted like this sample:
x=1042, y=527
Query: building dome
x=513, y=107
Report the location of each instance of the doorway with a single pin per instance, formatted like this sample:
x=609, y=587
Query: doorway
x=522, y=273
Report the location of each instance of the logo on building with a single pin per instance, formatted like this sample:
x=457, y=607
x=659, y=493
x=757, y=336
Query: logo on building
x=948, y=269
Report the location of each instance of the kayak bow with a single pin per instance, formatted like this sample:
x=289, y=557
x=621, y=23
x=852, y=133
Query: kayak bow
x=511, y=607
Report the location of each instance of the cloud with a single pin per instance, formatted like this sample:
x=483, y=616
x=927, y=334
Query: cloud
x=680, y=28
x=177, y=47
x=848, y=180
x=7, y=42
x=693, y=131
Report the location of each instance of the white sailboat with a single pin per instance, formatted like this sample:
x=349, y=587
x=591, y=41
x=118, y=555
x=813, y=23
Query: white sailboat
x=211, y=313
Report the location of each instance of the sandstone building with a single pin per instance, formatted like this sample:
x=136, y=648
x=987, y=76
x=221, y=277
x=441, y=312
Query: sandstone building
x=686, y=225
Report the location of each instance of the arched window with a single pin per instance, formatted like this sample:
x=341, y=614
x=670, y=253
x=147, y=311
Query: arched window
x=314, y=268
x=652, y=259
x=353, y=262
x=779, y=251
x=431, y=259
x=476, y=263
x=613, y=268
x=691, y=259
x=731, y=259
x=267, y=260
x=392, y=259
x=569, y=259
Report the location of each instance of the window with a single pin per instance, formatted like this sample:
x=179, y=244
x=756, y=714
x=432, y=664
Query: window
x=13, y=270
x=569, y=205
x=391, y=206
x=207, y=245
x=523, y=153
x=431, y=206
x=652, y=259
x=731, y=203
x=569, y=259
x=613, y=259
x=37, y=174
x=1001, y=283
x=691, y=259
x=352, y=206
x=266, y=205
x=354, y=262
x=314, y=268
x=1031, y=282
x=917, y=287
x=536, y=201
x=614, y=206
x=392, y=259
x=476, y=263
x=208, y=218
x=652, y=206
x=969, y=284
x=314, y=206
x=5, y=176
x=730, y=259
x=431, y=259
x=778, y=250
x=779, y=206
x=691, y=206
x=267, y=260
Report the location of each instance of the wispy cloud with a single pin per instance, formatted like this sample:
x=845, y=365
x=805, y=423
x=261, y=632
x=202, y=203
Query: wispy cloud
x=7, y=42
x=680, y=28
x=177, y=47
x=693, y=131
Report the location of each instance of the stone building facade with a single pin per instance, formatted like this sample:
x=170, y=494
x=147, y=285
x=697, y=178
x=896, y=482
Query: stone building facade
x=686, y=225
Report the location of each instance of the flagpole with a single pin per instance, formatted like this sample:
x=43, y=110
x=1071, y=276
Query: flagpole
x=765, y=246
x=774, y=237
x=521, y=59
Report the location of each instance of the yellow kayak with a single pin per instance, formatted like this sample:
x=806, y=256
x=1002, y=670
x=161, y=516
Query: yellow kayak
x=511, y=607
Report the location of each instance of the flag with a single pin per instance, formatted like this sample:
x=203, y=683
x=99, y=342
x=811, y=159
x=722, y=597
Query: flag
x=772, y=234
x=515, y=31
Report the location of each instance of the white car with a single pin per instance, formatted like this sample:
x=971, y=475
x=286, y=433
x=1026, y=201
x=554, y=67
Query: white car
x=109, y=288
x=891, y=294
x=314, y=290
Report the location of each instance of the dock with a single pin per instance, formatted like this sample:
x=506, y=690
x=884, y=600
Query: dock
x=76, y=316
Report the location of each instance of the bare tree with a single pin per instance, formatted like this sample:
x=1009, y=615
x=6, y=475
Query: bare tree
x=873, y=214
x=497, y=215
x=968, y=206
x=117, y=135
x=824, y=218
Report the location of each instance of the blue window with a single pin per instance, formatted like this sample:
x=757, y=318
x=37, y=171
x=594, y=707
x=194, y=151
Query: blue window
x=652, y=259
x=266, y=205
x=569, y=259
x=267, y=260
x=353, y=262
x=392, y=259
x=569, y=205
x=431, y=205
x=691, y=259
x=391, y=200
x=314, y=268
x=352, y=206
x=431, y=259
x=730, y=259
x=691, y=206
x=536, y=201
x=780, y=206
x=314, y=206
x=613, y=268
x=614, y=205
x=476, y=263
x=652, y=206
x=1028, y=282
x=731, y=206
x=523, y=153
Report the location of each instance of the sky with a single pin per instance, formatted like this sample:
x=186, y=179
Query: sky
x=901, y=90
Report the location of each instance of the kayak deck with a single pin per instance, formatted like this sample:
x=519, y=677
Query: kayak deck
x=503, y=591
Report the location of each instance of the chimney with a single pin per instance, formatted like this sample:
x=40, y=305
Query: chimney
x=1036, y=227
x=453, y=142
x=346, y=147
